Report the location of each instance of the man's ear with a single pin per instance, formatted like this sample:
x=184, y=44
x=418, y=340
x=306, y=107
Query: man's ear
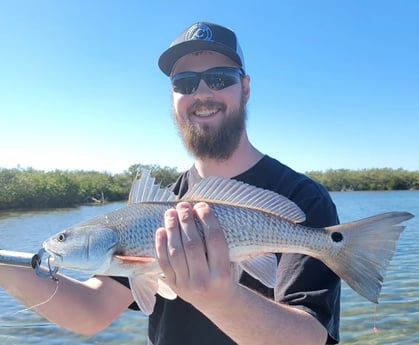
x=246, y=86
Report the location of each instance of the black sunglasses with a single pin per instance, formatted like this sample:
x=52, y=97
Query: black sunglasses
x=217, y=78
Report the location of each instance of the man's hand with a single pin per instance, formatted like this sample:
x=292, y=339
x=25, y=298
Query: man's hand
x=198, y=272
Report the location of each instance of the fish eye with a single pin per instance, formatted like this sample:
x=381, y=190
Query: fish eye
x=61, y=237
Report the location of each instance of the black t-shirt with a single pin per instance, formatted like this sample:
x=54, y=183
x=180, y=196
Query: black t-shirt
x=304, y=282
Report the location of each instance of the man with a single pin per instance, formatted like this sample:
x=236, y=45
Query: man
x=210, y=92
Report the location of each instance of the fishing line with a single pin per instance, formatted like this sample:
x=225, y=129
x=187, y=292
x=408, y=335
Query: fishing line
x=35, y=306
x=52, y=271
x=42, y=303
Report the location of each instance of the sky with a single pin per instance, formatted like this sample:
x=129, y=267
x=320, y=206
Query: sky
x=334, y=84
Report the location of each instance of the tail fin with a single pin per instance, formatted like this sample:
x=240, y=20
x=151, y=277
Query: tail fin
x=364, y=248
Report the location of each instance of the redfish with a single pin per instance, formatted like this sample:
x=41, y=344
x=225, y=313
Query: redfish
x=255, y=222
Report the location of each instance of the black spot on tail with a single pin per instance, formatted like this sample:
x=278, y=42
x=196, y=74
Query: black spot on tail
x=337, y=236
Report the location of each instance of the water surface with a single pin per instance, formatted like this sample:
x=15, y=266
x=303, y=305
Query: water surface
x=396, y=317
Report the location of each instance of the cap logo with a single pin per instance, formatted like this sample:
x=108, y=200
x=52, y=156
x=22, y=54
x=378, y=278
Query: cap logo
x=199, y=32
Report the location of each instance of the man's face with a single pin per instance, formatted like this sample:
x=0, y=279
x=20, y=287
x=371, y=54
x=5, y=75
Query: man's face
x=210, y=122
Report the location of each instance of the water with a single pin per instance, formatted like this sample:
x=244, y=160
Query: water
x=396, y=317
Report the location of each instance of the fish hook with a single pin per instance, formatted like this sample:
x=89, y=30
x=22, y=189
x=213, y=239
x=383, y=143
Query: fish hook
x=52, y=271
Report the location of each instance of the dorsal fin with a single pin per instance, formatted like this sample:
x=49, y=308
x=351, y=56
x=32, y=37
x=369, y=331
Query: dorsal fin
x=220, y=189
x=144, y=189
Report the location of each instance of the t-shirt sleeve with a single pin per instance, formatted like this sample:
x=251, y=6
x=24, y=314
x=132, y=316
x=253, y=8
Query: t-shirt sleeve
x=124, y=281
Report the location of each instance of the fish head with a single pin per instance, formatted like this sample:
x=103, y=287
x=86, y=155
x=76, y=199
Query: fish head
x=83, y=248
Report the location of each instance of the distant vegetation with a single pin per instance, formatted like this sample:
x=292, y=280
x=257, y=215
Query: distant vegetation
x=29, y=188
x=367, y=179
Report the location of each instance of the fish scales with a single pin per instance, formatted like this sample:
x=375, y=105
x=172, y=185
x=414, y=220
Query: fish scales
x=261, y=232
x=245, y=229
x=136, y=225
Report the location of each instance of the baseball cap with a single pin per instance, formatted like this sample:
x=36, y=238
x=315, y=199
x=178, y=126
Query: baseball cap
x=202, y=36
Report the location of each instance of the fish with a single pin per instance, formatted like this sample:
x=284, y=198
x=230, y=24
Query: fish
x=256, y=223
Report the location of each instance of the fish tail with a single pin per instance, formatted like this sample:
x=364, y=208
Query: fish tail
x=363, y=249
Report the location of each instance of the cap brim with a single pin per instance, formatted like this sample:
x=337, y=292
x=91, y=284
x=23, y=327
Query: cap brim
x=169, y=57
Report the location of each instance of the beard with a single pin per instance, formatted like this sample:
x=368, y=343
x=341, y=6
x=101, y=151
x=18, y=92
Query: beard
x=207, y=142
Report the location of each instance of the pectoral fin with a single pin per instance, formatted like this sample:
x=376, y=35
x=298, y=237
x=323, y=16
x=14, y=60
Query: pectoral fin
x=165, y=291
x=144, y=288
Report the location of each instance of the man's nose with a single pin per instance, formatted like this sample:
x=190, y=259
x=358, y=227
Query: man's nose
x=203, y=91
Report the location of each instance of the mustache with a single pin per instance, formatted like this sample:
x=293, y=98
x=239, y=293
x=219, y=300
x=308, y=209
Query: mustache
x=205, y=104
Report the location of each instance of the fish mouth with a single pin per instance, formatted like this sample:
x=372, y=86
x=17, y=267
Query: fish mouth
x=52, y=270
x=52, y=256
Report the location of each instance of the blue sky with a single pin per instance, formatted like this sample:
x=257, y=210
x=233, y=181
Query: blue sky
x=334, y=84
